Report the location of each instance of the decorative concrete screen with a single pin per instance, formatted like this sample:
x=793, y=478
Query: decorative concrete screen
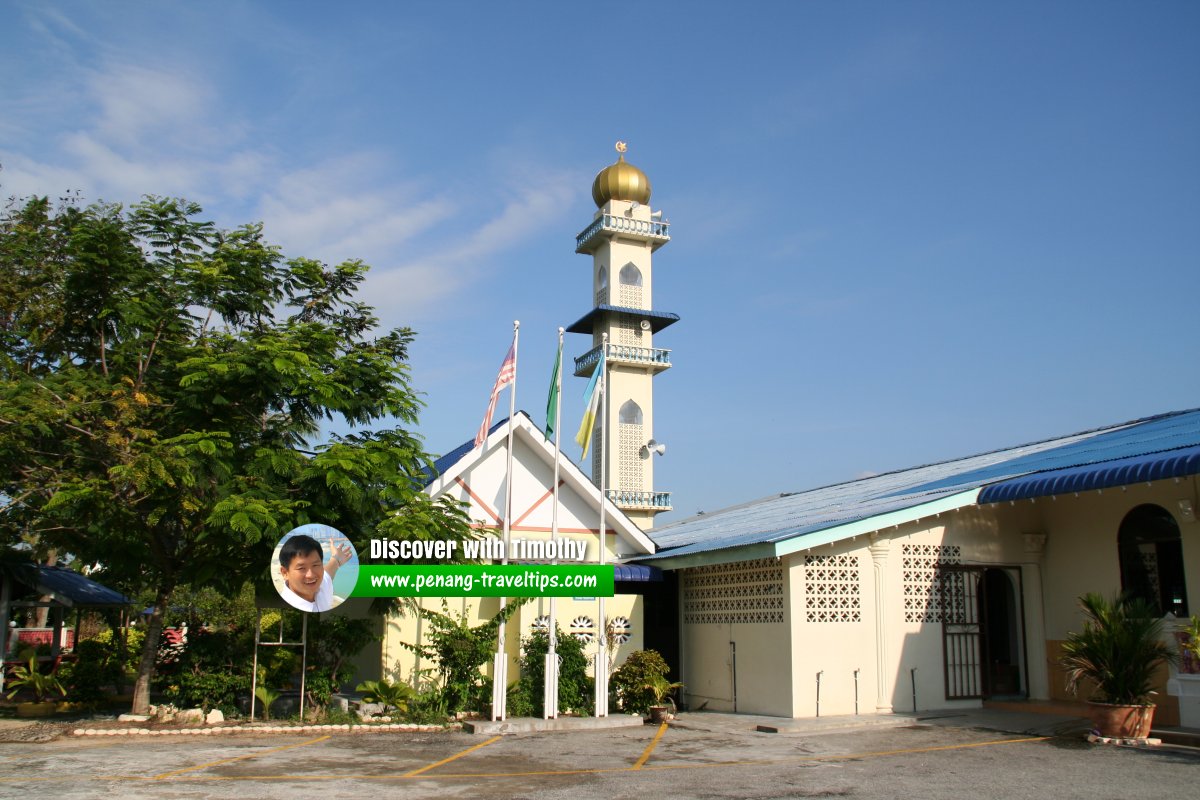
x=629, y=461
x=922, y=588
x=748, y=592
x=832, y=591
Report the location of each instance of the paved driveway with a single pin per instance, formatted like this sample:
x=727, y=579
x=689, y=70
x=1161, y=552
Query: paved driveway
x=930, y=759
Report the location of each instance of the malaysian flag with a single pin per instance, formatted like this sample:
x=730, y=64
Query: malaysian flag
x=508, y=374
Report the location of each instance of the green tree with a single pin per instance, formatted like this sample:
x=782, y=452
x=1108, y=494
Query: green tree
x=160, y=380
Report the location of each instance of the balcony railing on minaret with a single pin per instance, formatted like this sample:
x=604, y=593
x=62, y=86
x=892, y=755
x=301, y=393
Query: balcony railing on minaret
x=655, y=359
x=631, y=501
x=655, y=232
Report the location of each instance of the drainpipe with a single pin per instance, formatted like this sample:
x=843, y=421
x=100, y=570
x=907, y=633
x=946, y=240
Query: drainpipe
x=913, y=675
x=733, y=664
x=856, y=693
x=819, y=674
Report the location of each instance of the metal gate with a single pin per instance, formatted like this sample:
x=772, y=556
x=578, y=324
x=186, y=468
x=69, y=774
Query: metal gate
x=963, y=621
x=975, y=665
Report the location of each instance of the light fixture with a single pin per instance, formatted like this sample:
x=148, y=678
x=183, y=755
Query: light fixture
x=653, y=446
x=656, y=215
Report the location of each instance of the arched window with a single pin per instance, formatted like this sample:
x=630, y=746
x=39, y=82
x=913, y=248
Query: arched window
x=631, y=413
x=631, y=275
x=1151, y=554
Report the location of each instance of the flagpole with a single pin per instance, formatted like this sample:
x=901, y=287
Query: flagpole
x=550, y=704
x=500, y=669
x=601, y=667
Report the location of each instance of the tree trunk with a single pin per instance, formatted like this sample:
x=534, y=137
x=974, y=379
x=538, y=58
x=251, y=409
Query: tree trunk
x=154, y=626
x=41, y=615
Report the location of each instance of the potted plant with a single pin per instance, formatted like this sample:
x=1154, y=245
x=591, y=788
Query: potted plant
x=661, y=690
x=40, y=684
x=1118, y=651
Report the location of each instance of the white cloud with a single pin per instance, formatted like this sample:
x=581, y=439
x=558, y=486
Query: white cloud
x=409, y=291
x=338, y=210
x=134, y=129
x=126, y=177
x=137, y=102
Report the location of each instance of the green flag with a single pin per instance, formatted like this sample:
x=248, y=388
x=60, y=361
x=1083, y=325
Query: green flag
x=552, y=399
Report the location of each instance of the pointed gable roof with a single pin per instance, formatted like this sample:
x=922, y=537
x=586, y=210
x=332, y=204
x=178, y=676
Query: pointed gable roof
x=531, y=442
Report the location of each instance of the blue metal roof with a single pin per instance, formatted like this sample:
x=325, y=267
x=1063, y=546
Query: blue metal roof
x=771, y=521
x=1149, y=435
x=76, y=589
x=658, y=319
x=1122, y=472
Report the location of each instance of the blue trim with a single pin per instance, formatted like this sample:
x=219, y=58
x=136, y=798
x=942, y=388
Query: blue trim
x=1122, y=472
x=636, y=573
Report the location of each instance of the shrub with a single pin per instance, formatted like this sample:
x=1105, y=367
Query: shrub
x=391, y=695
x=460, y=651
x=629, y=681
x=97, y=670
x=575, y=687
x=210, y=672
x=31, y=678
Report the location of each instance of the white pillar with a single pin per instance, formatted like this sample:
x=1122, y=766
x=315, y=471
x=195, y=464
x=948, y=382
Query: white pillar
x=1034, y=623
x=879, y=553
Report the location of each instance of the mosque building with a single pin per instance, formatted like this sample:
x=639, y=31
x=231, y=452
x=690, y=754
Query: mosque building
x=941, y=586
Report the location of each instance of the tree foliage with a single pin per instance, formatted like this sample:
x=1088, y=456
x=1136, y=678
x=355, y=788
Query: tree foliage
x=160, y=380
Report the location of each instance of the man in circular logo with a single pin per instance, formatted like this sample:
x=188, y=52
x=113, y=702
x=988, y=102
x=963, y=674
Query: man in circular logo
x=306, y=577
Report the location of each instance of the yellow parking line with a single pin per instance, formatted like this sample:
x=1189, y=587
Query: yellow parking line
x=417, y=772
x=662, y=728
x=237, y=758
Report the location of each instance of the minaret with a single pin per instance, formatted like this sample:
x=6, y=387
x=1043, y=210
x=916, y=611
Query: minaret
x=621, y=239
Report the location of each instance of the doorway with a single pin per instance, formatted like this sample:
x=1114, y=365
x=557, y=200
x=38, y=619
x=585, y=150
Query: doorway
x=983, y=635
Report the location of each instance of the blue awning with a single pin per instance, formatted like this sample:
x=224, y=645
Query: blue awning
x=1119, y=472
x=636, y=573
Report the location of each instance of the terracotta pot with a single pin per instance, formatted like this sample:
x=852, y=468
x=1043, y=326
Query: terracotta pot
x=1121, y=722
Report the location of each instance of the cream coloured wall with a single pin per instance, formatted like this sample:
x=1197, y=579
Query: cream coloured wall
x=615, y=253
x=833, y=630
x=1081, y=544
x=872, y=614
x=736, y=612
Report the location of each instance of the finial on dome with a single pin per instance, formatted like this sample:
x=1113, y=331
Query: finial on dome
x=621, y=148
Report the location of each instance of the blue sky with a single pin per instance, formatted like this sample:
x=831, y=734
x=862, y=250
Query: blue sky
x=901, y=232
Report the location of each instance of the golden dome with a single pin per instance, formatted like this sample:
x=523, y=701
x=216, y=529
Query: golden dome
x=621, y=181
